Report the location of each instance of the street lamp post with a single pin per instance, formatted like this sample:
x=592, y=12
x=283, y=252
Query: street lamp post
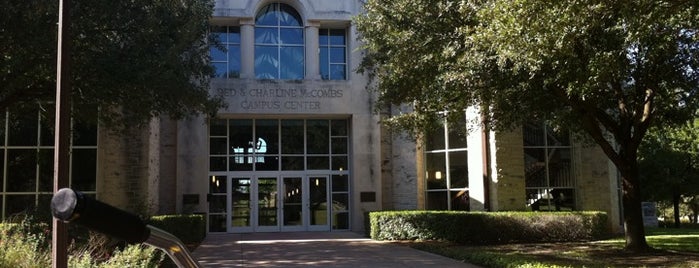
x=59, y=241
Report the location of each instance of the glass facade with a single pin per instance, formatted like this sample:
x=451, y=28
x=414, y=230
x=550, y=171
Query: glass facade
x=26, y=159
x=446, y=168
x=279, y=43
x=271, y=174
x=549, y=180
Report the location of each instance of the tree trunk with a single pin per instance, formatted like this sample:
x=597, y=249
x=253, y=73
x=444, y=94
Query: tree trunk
x=676, y=208
x=633, y=217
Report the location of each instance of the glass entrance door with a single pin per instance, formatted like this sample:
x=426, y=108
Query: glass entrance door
x=273, y=204
x=240, y=206
x=305, y=204
x=267, y=200
x=318, y=203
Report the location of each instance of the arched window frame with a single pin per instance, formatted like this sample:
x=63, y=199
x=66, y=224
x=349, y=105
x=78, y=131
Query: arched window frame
x=279, y=43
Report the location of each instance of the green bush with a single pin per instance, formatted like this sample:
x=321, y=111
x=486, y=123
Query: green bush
x=21, y=247
x=188, y=228
x=488, y=227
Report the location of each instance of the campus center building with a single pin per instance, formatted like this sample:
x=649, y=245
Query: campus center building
x=299, y=146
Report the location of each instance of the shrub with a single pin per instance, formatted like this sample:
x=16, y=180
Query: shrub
x=188, y=228
x=20, y=247
x=487, y=227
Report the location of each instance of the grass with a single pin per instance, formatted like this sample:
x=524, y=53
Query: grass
x=673, y=248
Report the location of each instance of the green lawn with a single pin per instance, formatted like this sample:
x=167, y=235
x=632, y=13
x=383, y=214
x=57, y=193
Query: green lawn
x=674, y=248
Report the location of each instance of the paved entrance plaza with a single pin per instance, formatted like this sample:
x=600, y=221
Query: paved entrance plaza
x=311, y=249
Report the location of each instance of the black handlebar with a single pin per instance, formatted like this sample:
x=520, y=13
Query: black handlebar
x=71, y=206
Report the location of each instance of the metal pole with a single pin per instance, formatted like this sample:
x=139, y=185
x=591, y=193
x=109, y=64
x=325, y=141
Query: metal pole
x=59, y=241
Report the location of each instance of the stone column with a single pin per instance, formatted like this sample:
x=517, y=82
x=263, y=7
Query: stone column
x=312, y=61
x=247, y=48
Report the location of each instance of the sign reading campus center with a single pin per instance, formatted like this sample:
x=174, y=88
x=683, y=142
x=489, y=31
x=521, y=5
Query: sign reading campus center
x=302, y=99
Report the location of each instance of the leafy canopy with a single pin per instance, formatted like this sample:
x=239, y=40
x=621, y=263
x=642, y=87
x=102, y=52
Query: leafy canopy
x=144, y=57
x=620, y=62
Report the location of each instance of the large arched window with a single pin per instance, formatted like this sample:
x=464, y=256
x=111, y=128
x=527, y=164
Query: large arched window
x=279, y=51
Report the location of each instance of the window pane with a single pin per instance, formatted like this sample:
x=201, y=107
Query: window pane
x=241, y=162
x=435, y=139
x=267, y=132
x=233, y=61
x=47, y=119
x=220, y=70
x=267, y=163
x=291, y=62
x=266, y=62
x=21, y=170
x=534, y=167
x=458, y=169
x=533, y=134
x=292, y=36
x=219, y=32
x=2, y=130
x=341, y=221
x=268, y=15
x=46, y=170
x=292, y=137
x=292, y=163
x=339, y=145
x=337, y=37
x=324, y=64
x=218, y=54
x=84, y=134
x=458, y=133
x=217, y=223
x=217, y=163
x=340, y=202
x=233, y=35
x=339, y=127
x=288, y=16
x=266, y=35
x=84, y=171
x=340, y=183
x=16, y=204
x=240, y=136
x=218, y=127
x=337, y=55
x=459, y=200
x=318, y=137
x=318, y=162
x=217, y=204
x=218, y=146
x=23, y=126
x=337, y=72
x=557, y=136
x=323, y=39
x=217, y=184
x=436, y=171
x=437, y=200
x=339, y=163
x=560, y=168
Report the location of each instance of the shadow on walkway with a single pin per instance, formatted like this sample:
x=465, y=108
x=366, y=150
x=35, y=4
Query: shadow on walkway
x=311, y=249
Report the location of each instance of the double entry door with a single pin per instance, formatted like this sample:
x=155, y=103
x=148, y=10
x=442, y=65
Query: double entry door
x=278, y=203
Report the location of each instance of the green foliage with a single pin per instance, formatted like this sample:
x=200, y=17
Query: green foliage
x=188, y=228
x=486, y=258
x=479, y=228
x=611, y=69
x=146, y=58
x=22, y=246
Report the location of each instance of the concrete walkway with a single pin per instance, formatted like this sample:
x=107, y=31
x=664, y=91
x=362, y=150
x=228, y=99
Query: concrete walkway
x=311, y=249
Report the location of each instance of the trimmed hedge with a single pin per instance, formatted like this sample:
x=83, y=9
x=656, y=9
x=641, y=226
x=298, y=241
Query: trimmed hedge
x=480, y=228
x=188, y=228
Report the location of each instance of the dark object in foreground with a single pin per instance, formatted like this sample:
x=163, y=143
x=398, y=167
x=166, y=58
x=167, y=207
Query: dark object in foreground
x=72, y=206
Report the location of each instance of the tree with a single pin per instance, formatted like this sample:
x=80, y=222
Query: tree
x=610, y=69
x=669, y=165
x=132, y=60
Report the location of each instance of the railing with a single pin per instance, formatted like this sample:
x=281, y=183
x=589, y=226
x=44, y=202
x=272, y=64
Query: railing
x=72, y=206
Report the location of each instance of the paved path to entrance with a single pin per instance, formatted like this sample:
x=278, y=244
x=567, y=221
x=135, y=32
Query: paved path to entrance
x=311, y=249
